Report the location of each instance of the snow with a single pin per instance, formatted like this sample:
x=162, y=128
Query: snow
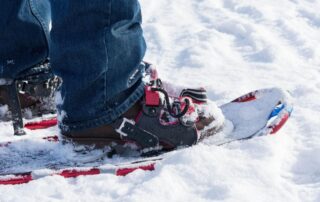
x=231, y=47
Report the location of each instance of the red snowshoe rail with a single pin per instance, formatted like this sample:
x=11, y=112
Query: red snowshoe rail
x=120, y=170
x=41, y=124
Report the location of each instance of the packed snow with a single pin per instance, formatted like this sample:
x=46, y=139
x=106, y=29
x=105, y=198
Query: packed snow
x=231, y=47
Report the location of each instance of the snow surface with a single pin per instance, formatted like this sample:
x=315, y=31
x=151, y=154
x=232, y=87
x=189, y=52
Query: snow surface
x=231, y=47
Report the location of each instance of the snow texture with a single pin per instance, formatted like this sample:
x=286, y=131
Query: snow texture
x=231, y=47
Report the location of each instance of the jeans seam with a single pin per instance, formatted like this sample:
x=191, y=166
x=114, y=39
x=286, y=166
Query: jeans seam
x=40, y=20
x=106, y=49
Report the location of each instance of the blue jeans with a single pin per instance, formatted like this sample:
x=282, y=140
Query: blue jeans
x=95, y=46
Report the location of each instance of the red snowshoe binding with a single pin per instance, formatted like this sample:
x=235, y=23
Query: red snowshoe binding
x=167, y=122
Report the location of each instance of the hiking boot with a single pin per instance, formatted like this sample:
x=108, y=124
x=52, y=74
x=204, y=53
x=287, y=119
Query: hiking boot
x=160, y=121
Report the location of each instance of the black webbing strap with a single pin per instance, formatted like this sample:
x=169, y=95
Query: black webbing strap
x=129, y=131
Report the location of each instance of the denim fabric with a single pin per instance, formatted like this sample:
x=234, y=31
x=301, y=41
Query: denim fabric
x=22, y=40
x=95, y=46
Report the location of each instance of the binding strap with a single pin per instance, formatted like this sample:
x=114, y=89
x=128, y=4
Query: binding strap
x=129, y=131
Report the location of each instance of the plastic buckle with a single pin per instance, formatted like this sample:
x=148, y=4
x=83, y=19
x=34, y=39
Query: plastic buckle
x=152, y=97
x=122, y=125
x=22, y=86
x=129, y=131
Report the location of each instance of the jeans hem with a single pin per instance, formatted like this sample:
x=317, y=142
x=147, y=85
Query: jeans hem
x=110, y=115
